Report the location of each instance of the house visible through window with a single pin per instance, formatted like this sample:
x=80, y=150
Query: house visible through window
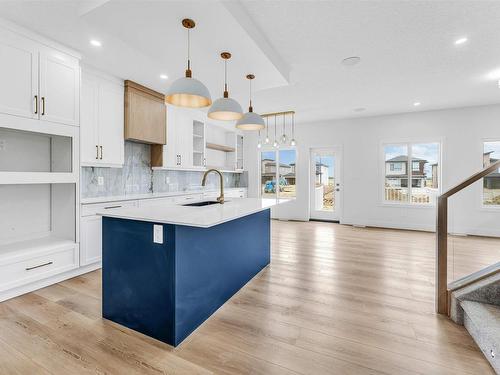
x=491, y=183
x=424, y=172
x=277, y=174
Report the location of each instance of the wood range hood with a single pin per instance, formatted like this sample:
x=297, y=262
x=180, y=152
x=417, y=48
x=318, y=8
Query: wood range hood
x=145, y=114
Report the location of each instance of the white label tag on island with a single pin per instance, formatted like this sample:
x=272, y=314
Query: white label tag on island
x=158, y=233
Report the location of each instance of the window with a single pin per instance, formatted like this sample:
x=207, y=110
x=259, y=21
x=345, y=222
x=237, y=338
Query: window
x=278, y=166
x=396, y=167
x=424, y=173
x=491, y=183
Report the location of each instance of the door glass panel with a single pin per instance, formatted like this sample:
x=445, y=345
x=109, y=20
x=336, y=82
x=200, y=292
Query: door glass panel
x=287, y=160
x=324, y=189
x=268, y=174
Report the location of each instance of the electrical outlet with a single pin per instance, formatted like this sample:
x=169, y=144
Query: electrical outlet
x=157, y=233
x=3, y=144
x=100, y=180
x=168, y=180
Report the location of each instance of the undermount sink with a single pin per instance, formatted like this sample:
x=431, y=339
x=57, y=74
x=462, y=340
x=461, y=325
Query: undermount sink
x=204, y=203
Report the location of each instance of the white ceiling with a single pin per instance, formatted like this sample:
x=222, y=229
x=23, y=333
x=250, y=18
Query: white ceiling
x=407, y=49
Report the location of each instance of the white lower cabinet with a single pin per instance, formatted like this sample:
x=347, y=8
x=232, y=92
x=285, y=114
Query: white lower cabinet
x=90, y=239
x=91, y=230
x=38, y=263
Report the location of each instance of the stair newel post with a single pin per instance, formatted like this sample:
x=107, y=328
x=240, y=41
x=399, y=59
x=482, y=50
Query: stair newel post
x=442, y=256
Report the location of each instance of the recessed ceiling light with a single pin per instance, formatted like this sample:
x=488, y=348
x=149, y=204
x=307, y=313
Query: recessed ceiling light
x=416, y=104
x=351, y=61
x=163, y=76
x=461, y=41
x=95, y=43
x=360, y=109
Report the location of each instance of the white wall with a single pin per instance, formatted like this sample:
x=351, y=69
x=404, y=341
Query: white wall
x=461, y=132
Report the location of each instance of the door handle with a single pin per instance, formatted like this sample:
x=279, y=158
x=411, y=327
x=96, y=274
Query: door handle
x=101, y=153
x=36, y=104
x=97, y=152
x=43, y=105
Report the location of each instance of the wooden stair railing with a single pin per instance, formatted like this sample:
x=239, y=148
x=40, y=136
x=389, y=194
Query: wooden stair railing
x=442, y=298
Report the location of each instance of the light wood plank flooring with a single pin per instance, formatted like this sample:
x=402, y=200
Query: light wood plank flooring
x=335, y=300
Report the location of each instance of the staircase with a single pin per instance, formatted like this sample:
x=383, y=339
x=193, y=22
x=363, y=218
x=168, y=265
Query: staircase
x=476, y=305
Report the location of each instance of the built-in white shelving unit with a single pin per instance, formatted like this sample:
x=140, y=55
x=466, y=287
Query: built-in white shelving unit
x=39, y=161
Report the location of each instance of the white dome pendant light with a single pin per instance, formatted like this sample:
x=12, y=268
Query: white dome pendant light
x=187, y=91
x=225, y=108
x=250, y=120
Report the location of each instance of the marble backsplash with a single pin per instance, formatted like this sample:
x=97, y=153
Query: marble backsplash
x=137, y=177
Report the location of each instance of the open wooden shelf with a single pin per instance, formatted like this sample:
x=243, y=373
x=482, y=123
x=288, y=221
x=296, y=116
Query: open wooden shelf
x=214, y=146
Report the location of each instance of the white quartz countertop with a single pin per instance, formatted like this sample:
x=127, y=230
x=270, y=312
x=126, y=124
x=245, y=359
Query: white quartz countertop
x=202, y=216
x=129, y=197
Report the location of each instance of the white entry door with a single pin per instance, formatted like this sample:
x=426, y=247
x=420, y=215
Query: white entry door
x=325, y=184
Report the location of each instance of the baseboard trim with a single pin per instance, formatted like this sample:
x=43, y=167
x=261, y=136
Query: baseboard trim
x=15, y=292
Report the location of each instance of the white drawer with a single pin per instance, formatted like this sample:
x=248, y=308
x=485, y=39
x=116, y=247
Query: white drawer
x=17, y=272
x=92, y=209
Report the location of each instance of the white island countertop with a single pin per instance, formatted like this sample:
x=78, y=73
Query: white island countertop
x=197, y=216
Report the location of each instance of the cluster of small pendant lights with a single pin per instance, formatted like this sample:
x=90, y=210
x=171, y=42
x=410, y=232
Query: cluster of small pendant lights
x=283, y=139
x=189, y=92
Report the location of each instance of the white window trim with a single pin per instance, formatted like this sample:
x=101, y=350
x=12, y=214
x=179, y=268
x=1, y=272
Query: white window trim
x=382, y=170
x=277, y=171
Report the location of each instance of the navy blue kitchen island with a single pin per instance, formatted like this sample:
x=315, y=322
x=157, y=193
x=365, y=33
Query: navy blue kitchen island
x=166, y=290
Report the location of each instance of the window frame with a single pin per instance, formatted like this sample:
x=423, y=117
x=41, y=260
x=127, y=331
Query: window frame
x=277, y=170
x=409, y=171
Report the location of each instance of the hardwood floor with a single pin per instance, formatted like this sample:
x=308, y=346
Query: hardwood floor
x=335, y=300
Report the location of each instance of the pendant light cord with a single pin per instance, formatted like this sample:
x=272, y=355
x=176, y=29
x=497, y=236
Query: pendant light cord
x=250, y=109
x=188, y=70
x=267, y=127
x=274, y=127
x=293, y=125
x=283, y=124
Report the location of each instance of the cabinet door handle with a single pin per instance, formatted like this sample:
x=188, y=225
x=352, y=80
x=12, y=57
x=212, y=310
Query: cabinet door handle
x=40, y=265
x=107, y=208
x=101, y=153
x=36, y=104
x=180, y=159
x=96, y=151
x=43, y=105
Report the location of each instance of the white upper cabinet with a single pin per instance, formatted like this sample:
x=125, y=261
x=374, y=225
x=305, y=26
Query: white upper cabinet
x=59, y=87
x=89, y=133
x=178, y=152
x=111, y=121
x=18, y=76
x=37, y=81
x=102, y=121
